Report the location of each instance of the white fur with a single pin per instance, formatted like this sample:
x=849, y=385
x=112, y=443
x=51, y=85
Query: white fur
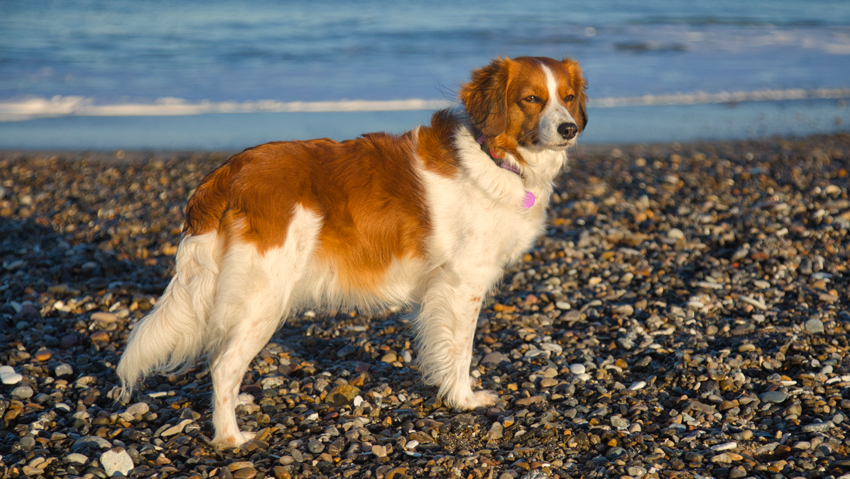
x=229, y=304
x=173, y=334
x=554, y=115
x=479, y=227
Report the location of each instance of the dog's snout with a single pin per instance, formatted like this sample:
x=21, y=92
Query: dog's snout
x=568, y=131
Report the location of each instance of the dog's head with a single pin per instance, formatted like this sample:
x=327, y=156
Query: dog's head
x=533, y=102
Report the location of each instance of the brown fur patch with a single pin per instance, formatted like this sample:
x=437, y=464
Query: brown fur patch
x=366, y=191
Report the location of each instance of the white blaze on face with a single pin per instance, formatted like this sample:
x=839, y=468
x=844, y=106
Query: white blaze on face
x=555, y=114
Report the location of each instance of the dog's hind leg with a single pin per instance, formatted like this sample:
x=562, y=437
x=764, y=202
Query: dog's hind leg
x=254, y=295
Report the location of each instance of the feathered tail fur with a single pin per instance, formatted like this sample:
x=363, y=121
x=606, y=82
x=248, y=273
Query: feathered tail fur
x=173, y=335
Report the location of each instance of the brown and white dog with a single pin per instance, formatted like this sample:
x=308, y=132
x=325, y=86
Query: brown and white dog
x=429, y=218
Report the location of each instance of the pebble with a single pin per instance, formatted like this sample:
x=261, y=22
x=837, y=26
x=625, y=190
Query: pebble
x=639, y=338
x=135, y=409
x=726, y=446
x=175, y=429
x=9, y=376
x=495, y=359
x=619, y=423
x=773, y=396
x=818, y=427
x=22, y=392
x=91, y=442
x=116, y=461
x=76, y=458
x=103, y=317
x=675, y=233
x=346, y=351
x=814, y=326
x=63, y=370
x=342, y=394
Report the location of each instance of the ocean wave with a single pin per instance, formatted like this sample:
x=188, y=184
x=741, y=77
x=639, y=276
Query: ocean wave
x=62, y=106
x=702, y=98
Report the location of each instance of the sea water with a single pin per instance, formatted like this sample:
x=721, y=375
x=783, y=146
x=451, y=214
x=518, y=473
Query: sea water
x=210, y=74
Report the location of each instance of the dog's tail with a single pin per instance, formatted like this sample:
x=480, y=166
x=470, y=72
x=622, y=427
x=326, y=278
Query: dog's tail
x=174, y=334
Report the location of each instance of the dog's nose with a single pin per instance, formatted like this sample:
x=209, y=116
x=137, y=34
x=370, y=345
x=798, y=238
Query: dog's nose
x=568, y=131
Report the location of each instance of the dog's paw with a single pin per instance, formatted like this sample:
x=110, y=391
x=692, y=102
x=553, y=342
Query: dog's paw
x=233, y=440
x=486, y=397
x=475, y=400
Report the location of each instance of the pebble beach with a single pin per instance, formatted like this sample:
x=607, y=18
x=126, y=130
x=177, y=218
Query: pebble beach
x=685, y=316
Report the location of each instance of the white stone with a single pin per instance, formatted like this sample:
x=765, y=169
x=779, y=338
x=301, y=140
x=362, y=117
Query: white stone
x=134, y=409
x=116, y=461
x=577, y=368
x=725, y=446
x=9, y=376
x=563, y=305
x=176, y=429
x=76, y=458
x=675, y=233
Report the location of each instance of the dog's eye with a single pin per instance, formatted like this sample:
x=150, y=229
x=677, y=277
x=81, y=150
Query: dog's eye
x=569, y=98
x=532, y=99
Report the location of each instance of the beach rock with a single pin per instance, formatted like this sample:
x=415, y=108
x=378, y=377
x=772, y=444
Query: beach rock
x=773, y=397
x=9, y=376
x=814, y=326
x=22, y=392
x=495, y=359
x=116, y=461
x=63, y=370
x=342, y=394
x=91, y=442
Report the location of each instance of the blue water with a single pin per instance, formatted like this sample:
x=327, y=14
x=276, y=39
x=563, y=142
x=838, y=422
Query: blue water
x=104, y=62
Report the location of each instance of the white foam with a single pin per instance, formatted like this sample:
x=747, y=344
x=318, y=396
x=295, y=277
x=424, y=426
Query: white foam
x=59, y=106
x=702, y=98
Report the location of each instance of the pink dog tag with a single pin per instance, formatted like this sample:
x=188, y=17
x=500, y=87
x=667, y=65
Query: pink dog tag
x=528, y=200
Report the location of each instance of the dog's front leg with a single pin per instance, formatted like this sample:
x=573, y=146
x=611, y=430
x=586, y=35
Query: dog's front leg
x=445, y=333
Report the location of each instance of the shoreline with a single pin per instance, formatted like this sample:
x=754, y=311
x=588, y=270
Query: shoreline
x=686, y=315
x=619, y=125
x=120, y=155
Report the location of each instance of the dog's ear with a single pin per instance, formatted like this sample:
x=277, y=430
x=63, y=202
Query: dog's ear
x=579, y=110
x=485, y=97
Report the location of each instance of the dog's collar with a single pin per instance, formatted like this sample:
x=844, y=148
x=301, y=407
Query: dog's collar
x=529, y=199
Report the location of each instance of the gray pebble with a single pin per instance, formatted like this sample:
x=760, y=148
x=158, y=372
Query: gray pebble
x=346, y=350
x=91, y=442
x=615, y=453
x=22, y=392
x=814, y=326
x=818, y=427
x=619, y=422
x=773, y=396
x=494, y=359
x=63, y=370
x=315, y=447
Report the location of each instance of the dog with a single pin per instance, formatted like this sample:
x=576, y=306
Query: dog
x=429, y=219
